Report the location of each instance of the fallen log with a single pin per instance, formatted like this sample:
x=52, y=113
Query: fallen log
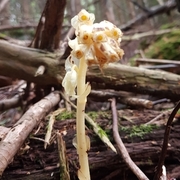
x=135, y=79
x=16, y=136
x=23, y=63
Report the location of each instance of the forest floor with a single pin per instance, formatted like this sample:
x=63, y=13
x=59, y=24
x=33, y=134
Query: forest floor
x=143, y=142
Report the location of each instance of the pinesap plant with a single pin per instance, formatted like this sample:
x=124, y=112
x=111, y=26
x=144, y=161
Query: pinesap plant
x=95, y=44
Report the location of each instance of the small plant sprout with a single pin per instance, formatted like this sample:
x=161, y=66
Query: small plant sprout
x=95, y=44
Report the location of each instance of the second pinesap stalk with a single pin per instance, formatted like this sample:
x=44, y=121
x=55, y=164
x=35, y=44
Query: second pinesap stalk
x=80, y=122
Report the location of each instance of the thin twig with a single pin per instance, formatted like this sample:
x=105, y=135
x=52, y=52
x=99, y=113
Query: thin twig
x=165, y=142
x=123, y=151
x=158, y=117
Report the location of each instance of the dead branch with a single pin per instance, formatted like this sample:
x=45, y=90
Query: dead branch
x=122, y=149
x=10, y=103
x=156, y=61
x=22, y=26
x=138, y=36
x=167, y=6
x=121, y=96
x=64, y=166
x=165, y=142
x=10, y=145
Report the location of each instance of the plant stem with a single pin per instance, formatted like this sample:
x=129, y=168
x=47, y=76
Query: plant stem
x=83, y=173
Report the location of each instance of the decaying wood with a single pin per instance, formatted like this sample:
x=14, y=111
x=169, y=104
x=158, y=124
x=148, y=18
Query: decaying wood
x=21, y=62
x=121, y=96
x=134, y=79
x=10, y=103
x=20, y=131
x=64, y=167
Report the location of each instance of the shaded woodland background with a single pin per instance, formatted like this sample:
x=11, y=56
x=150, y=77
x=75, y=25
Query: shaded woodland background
x=19, y=19
x=145, y=84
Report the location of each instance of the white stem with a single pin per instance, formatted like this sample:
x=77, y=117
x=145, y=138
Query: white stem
x=83, y=173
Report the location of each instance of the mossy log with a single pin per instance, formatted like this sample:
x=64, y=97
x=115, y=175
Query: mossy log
x=23, y=63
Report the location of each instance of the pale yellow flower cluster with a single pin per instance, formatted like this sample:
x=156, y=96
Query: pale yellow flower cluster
x=97, y=43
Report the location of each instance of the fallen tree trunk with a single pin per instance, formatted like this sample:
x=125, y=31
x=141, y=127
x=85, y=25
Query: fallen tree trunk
x=16, y=136
x=23, y=63
x=134, y=79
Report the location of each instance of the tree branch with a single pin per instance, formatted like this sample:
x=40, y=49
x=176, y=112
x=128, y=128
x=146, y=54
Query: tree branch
x=167, y=6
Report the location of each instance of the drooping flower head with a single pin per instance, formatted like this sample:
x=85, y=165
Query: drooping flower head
x=97, y=43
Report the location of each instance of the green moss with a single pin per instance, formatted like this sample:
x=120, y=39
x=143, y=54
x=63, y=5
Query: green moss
x=105, y=114
x=99, y=114
x=169, y=25
x=101, y=132
x=138, y=131
x=23, y=34
x=93, y=115
x=66, y=115
x=166, y=47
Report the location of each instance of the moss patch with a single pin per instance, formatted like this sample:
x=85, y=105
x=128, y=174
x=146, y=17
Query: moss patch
x=138, y=130
x=66, y=115
x=166, y=47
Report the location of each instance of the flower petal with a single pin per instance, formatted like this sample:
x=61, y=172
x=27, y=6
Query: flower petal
x=85, y=35
x=83, y=17
x=70, y=81
x=73, y=43
x=86, y=18
x=99, y=37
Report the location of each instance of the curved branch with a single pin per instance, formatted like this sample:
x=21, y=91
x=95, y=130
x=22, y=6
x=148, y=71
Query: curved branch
x=165, y=142
x=123, y=151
